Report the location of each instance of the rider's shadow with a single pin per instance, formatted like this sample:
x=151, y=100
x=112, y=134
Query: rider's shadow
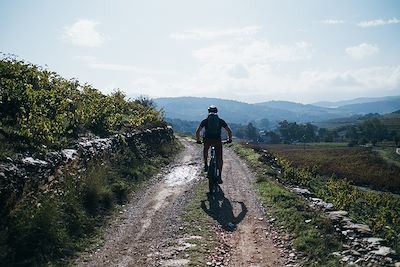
x=220, y=209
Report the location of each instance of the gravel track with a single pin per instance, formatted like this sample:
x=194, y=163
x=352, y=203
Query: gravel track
x=147, y=231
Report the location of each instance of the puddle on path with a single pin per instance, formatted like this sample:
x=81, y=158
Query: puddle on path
x=175, y=262
x=174, y=182
x=181, y=175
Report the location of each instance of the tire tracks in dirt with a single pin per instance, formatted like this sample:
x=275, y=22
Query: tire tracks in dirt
x=251, y=241
x=147, y=231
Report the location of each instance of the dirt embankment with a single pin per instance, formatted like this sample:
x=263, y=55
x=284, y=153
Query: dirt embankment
x=147, y=231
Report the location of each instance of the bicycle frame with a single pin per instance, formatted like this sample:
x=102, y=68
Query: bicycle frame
x=213, y=172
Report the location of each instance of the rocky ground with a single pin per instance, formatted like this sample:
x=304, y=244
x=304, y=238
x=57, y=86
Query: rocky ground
x=148, y=231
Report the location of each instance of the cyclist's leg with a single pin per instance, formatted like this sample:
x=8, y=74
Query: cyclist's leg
x=206, y=147
x=218, y=150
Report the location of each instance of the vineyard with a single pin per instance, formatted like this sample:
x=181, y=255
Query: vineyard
x=314, y=168
x=40, y=108
x=360, y=165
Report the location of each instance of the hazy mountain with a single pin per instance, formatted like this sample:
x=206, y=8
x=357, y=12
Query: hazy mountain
x=384, y=106
x=360, y=100
x=195, y=109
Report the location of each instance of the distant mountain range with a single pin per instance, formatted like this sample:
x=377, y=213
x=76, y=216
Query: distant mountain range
x=195, y=109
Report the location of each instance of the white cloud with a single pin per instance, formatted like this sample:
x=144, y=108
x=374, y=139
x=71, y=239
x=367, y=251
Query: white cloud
x=257, y=83
x=84, y=33
x=361, y=51
x=209, y=34
x=378, y=22
x=126, y=68
x=94, y=63
x=333, y=21
x=253, y=51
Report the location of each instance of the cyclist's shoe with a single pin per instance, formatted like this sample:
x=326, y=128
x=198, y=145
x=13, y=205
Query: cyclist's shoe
x=205, y=168
x=219, y=180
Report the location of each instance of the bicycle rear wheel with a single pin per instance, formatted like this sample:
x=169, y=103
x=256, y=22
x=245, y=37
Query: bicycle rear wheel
x=212, y=177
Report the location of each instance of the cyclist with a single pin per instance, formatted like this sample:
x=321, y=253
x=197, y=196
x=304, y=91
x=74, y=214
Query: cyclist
x=212, y=136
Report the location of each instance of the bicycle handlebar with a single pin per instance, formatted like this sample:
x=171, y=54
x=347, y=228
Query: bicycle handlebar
x=223, y=142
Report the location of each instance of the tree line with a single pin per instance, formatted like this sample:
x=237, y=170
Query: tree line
x=371, y=131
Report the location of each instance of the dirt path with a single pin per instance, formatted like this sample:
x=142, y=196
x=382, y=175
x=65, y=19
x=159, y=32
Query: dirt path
x=252, y=240
x=147, y=232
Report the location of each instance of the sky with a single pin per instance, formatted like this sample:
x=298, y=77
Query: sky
x=250, y=51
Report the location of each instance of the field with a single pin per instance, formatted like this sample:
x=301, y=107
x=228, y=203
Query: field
x=360, y=165
x=305, y=166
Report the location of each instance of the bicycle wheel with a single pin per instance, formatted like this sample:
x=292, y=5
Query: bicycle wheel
x=211, y=177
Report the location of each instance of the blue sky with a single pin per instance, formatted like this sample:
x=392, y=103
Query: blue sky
x=252, y=51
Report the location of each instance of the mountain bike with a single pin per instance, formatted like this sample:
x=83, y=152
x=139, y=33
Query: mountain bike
x=213, y=172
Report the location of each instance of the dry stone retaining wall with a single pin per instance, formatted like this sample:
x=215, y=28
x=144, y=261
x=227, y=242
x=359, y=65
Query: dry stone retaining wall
x=29, y=173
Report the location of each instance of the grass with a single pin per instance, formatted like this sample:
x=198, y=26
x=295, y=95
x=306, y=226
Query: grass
x=316, y=238
x=360, y=165
x=51, y=227
x=198, y=223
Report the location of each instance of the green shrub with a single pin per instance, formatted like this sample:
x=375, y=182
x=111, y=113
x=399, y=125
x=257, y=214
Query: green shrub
x=97, y=194
x=120, y=190
x=38, y=235
x=40, y=107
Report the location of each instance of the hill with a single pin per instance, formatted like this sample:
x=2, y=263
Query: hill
x=390, y=120
x=360, y=100
x=195, y=108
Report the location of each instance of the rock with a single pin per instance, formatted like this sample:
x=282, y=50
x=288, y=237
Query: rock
x=32, y=161
x=374, y=241
x=389, y=260
x=397, y=264
x=337, y=215
x=383, y=251
x=361, y=228
x=355, y=253
x=302, y=191
x=328, y=206
x=345, y=233
x=50, y=178
x=345, y=259
x=69, y=154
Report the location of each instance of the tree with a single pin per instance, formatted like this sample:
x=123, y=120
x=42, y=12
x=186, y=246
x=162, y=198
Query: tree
x=252, y=132
x=264, y=124
x=272, y=137
x=374, y=130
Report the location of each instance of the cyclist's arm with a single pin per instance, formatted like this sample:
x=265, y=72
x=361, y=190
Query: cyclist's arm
x=229, y=132
x=198, y=133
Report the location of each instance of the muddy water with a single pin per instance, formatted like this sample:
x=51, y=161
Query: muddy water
x=171, y=186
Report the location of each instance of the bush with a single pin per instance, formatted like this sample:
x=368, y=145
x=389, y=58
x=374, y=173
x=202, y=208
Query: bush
x=120, y=190
x=37, y=235
x=97, y=193
x=40, y=107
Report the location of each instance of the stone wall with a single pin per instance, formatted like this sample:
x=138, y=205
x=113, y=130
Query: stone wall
x=31, y=173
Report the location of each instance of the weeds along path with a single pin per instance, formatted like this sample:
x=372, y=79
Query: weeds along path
x=150, y=220
x=149, y=230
